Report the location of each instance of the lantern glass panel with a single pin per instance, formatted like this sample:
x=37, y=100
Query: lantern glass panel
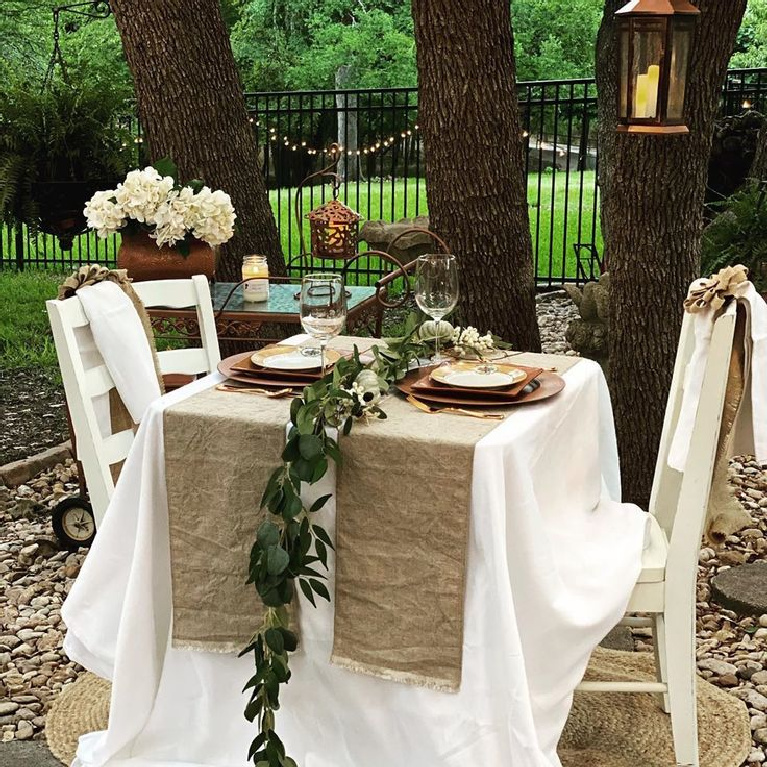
x=624, y=64
x=680, y=56
x=646, y=69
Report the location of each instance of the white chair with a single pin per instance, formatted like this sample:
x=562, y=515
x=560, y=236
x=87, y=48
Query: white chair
x=667, y=584
x=87, y=381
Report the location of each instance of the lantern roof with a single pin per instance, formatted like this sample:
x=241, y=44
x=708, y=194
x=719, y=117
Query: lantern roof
x=658, y=8
x=334, y=211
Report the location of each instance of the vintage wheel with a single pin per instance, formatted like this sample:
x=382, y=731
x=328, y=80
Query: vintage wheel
x=73, y=523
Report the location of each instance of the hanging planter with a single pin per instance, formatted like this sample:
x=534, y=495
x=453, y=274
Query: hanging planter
x=60, y=208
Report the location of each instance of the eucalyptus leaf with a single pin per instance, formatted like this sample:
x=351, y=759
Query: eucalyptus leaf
x=319, y=503
x=268, y=534
x=322, y=552
x=277, y=559
x=320, y=588
x=307, y=589
x=322, y=534
x=275, y=641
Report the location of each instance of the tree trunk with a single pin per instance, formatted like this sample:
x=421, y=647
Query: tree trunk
x=192, y=109
x=652, y=217
x=477, y=192
x=759, y=165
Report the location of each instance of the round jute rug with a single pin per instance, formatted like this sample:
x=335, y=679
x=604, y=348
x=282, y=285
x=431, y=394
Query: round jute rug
x=619, y=729
x=604, y=729
x=82, y=707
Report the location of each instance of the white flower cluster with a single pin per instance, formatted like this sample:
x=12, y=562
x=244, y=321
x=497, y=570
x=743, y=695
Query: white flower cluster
x=142, y=194
x=469, y=338
x=104, y=214
x=213, y=216
x=153, y=200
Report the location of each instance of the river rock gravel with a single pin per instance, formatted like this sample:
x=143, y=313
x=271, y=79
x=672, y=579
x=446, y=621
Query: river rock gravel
x=35, y=577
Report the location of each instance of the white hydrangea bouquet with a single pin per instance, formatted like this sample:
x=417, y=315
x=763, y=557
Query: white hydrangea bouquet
x=173, y=214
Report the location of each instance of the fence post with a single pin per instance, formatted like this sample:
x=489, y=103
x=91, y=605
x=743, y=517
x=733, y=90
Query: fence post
x=19, y=243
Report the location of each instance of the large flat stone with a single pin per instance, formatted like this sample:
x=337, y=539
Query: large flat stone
x=32, y=753
x=742, y=589
x=19, y=472
x=619, y=638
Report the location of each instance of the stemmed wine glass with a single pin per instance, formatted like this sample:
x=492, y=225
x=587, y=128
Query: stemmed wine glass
x=436, y=289
x=323, y=308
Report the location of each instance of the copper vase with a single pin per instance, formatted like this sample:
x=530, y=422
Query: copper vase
x=143, y=260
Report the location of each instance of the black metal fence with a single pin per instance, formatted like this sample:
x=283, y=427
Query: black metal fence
x=383, y=168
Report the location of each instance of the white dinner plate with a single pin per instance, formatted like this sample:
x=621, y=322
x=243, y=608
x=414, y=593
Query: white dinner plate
x=470, y=376
x=290, y=358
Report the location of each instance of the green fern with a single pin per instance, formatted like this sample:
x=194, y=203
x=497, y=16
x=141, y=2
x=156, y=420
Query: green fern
x=63, y=133
x=738, y=234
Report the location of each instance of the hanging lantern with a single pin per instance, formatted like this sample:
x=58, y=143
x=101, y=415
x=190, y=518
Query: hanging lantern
x=334, y=231
x=654, y=45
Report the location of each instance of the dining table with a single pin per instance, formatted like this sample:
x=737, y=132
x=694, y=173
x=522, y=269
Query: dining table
x=551, y=558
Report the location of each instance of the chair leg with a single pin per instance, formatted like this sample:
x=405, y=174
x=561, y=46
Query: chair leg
x=659, y=633
x=681, y=680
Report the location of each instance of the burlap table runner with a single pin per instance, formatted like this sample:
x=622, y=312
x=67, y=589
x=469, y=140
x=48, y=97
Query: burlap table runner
x=402, y=524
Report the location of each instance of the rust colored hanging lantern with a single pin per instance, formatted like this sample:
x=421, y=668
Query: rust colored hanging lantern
x=334, y=231
x=654, y=47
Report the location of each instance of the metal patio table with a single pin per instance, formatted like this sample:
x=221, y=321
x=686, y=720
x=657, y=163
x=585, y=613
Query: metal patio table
x=238, y=320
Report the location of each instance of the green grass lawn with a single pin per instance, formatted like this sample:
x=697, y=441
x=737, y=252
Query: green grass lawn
x=25, y=335
x=554, y=208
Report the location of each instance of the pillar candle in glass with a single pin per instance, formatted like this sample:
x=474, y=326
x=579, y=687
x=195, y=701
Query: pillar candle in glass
x=256, y=271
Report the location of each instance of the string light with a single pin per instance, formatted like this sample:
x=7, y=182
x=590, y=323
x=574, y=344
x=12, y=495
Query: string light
x=371, y=149
x=746, y=104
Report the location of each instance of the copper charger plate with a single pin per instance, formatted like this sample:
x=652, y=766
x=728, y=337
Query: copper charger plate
x=550, y=385
x=262, y=378
x=428, y=385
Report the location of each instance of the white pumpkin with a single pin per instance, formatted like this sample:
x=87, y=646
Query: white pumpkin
x=431, y=329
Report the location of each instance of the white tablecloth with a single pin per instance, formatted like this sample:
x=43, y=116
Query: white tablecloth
x=552, y=561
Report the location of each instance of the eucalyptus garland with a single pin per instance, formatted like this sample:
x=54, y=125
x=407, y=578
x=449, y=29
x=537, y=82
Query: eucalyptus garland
x=290, y=548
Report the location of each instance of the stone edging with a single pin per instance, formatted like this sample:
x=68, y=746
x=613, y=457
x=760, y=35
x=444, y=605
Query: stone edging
x=19, y=472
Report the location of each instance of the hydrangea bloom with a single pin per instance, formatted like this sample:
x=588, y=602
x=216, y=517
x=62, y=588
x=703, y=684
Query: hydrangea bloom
x=213, y=216
x=103, y=214
x=175, y=217
x=142, y=193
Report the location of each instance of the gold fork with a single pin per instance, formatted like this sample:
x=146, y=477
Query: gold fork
x=455, y=410
x=273, y=394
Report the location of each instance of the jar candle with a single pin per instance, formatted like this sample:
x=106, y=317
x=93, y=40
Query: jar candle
x=256, y=271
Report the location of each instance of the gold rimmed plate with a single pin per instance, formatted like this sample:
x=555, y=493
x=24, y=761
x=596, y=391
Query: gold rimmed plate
x=478, y=375
x=289, y=358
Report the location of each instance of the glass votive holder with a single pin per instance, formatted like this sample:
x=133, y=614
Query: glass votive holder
x=256, y=271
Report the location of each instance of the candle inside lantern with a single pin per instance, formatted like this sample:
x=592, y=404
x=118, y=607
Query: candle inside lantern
x=646, y=99
x=640, y=100
x=335, y=232
x=653, y=79
x=256, y=271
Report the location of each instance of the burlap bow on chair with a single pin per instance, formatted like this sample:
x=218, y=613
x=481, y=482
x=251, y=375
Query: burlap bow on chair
x=725, y=515
x=92, y=274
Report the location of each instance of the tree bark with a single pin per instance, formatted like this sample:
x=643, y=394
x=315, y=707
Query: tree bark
x=192, y=110
x=759, y=165
x=477, y=192
x=652, y=217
